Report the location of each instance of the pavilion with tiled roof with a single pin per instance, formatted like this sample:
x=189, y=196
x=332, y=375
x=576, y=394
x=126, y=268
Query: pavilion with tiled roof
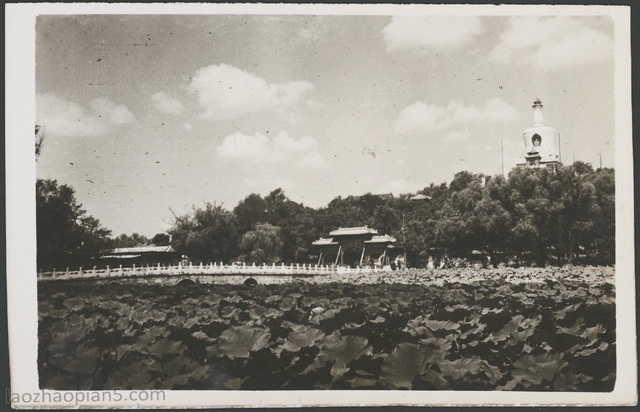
x=139, y=256
x=359, y=245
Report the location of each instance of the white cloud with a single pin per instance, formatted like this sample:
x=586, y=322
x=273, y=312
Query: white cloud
x=238, y=146
x=166, y=104
x=226, y=92
x=420, y=32
x=550, y=43
x=311, y=161
x=282, y=150
x=422, y=117
x=64, y=118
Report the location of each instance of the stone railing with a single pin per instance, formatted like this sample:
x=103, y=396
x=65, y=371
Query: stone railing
x=210, y=269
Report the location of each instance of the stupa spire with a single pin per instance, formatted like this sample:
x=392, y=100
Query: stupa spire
x=539, y=142
x=538, y=119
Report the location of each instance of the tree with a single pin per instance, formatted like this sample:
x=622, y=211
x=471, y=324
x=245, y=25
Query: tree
x=161, y=239
x=455, y=224
x=253, y=209
x=387, y=220
x=66, y=235
x=536, y=213
x=208, y=234
x=130, y=241
x=603, y=236
x=294, y=220
x=263, y=244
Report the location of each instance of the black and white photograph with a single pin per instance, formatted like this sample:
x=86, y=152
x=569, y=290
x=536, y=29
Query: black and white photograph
x=270, y=205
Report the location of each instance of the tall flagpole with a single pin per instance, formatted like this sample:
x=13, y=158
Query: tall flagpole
x=600, y=158
x=502, y=158
x=560, y=147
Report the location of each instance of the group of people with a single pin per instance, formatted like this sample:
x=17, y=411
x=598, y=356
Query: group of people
x=398, y=263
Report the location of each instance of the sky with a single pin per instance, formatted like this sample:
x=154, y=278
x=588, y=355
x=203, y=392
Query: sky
x=149, y=115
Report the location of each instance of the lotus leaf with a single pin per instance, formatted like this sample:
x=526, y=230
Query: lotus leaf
x=300, y=339
x=135, y=376
x=294, y=326
x=316, y=318
x=462, y=367
x=165, y=348
x=353, y=325
x=142, y=317
x=74, y=304
x=268, y=313
x=416, y=327
x=433, y=380
x=406, y=362
x=180, y=366
x=211, y=300
x=340, y=350
x=576, y=330
x=593, y=332
x=234, y=383
x=201, y=335
x=530, y=369
x=84, y=361
x=592, y=350
x=528, y=326
x=560, y=314
x=232, y=299
x=511, y=333
x=65, y=342
x=570, y=381
x=435, y=325
x=273, y=299
x=152, y=334
x=240, y=341
x=230, y=312
x=257, y=312
x=401, y=298
x=441, y=344
x=359, y=382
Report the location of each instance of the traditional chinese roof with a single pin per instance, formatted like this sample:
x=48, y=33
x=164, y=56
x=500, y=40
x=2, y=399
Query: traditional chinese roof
x=381, y=239
x=420, y=197
x=385, y=196
x=353, y=231
x=143, y=249
x=324, y=241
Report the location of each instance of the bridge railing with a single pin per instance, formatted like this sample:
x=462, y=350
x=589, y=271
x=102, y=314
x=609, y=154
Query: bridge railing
x=210, y=269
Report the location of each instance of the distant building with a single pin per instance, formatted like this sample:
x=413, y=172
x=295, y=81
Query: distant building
x=139, y=256
x=420, y=198
x=381, y=196
x=540, y=148
x=355, y=246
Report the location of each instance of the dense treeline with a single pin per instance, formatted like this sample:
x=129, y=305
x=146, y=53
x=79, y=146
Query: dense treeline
x=535, y=216
x=65, y=234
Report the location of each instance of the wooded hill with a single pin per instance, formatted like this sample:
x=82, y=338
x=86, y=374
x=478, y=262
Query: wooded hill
x=534, y=216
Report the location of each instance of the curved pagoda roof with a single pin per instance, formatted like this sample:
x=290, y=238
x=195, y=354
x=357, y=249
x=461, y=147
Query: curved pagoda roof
x=420, y=198
x=353, y=231
x=144, y=249
x=324, y=241
x=381, y=239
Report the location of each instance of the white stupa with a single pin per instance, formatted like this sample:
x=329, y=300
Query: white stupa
x=539, y=142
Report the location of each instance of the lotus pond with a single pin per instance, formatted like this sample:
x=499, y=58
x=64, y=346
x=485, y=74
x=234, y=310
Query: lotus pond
x=490, y=334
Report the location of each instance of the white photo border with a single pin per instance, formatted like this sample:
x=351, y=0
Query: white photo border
x=20, y=212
